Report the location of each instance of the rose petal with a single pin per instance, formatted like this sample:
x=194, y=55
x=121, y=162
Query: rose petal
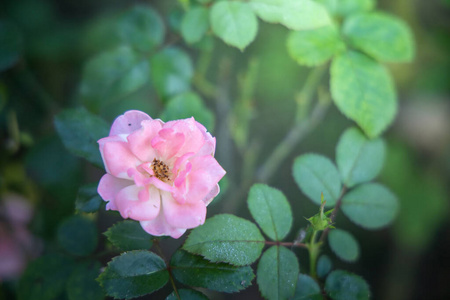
x=108, y=188
x=193, y=135
x=159, y=227
x=129, y=122
x=211, y=195
x=141, y=139
x=118, y=158
x=168, y=143
x=187, y=215
x=138, y=203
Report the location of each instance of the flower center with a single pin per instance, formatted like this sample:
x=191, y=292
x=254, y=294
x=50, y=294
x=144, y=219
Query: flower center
x=161, y=170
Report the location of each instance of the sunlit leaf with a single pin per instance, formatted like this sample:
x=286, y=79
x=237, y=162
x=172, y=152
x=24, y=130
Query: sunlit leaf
x=347, y=7
x=194, y=25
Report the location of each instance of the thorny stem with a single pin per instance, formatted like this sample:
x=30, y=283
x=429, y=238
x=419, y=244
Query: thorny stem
x=334, y=213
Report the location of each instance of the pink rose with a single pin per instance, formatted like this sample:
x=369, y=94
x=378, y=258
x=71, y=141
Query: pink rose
x=160, y=174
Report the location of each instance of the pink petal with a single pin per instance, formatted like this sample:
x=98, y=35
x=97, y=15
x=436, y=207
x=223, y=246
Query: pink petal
x=209, y=146
x=140, y=141
x=108, y=188
x=159, y=227
x=118, y=158
x=17, y=209
x=138, y=203
x=129, y=122
x=168, y=142
x=193, y=135
x=188, y=215
x=211, y=195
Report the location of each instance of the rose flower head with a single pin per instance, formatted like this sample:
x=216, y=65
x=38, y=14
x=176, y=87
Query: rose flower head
x=160, y=174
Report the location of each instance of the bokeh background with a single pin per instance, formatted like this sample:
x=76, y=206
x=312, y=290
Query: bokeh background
x=44, y=46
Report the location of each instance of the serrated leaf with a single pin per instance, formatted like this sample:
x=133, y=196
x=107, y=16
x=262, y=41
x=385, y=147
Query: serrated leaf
x=363, y=90
x=171, y=71
x=358, y=158
x=234, y=22
x=128, y=235
x=271, y=210
x=314, y=47
x=79, y=131
x=186, y=294
x=226, y=238
x=382, y=36
x=344, y=245
x=343, y=285
x=78, y=235
x=88, y=200
x=277, y=273
x=194, y=270
x=194, y=25
x=188, y=105
x=307, y=289
x=344, y=8
x=82, y=284
x=316, y=174
x=294, y=14
x=11, y=44
x=370, y=205
x=134, y=274
x=324, y=266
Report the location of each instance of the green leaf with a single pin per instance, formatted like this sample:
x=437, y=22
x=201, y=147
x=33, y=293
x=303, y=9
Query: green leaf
x=77, y=235
x=344, y=245
x=129, y=235
x=194, y=270
x=226, y=238
x=324, y=266
x=82, y=284
x=307, y=289
x=384, y=37
x=363, y=90
x=88, y=200
x=79, y=131
x=344, y=8
x=112, y=75
x=271, y=210
x=294, y=14
x=277, y=273
x=11, y=44
x=358, y=158
x=343, y=285
x=234, y=22
x=188, y=105
x=134, y=274
x=316, y=174
x=172, y=71
x=370, y=205
x=314, y=47
x=142, y=28
x=186, y=294
x=45, y=278
x=194, y=25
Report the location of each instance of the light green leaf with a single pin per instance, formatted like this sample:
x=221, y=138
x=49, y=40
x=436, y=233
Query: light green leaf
x=78, y=235
x=316, y=174
x=370, y=205
x=344, y=8
x=382, y=36
x=88, y=200
x=11, y=44
x=307, y=289
x=226, y=238
x=294, y=14
x=234, y=22
x=277, y=273
x=358, y=158
x=82, y=284
x=271, y=210
x=188, y=105
x=129, y=235
x=134, y=274
x=324, y=266
x=172, y=71
x=363, y=90
x=343, y=285
x=194, y=270
x=314, y=47
x=186, y=294
x=194, y=25
x=343, y=245
x=80, y=130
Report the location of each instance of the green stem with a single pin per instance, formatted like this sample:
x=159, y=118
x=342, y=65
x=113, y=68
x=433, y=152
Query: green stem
x=314, y=250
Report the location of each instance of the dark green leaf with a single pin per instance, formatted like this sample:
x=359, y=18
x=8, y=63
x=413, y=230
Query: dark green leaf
x=343, y=285
x=172, y=71
x=384, y=37
x=11, y=44
x=344, y=8
x=344, y=245
x=226, y=238
x=277, y=273
x=271, y=210
x=324, y=266
x=193, y=270
x=370, y=205
x=88, y=200
x=78, y=235
x=186, y=294
x=358, y=158
x=194, y=25
x=363, y=90
x=134, y=274
x=82, y=284
x=129, y=235
x=234, y=22
x=79, y=130
x=316, y=174
x=307, y=289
